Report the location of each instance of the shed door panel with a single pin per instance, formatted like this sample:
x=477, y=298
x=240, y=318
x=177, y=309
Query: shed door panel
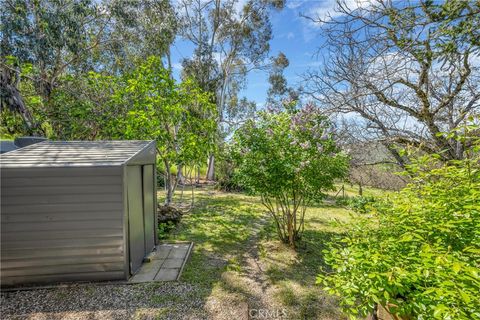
x=148, y=208
x=135, y=217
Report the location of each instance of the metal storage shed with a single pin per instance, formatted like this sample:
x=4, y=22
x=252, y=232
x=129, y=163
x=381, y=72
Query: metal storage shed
x=77, y=210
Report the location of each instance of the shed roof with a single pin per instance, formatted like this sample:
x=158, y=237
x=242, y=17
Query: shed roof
x=75, y=153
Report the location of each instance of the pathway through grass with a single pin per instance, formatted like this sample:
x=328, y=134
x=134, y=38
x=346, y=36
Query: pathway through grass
x=242, y=270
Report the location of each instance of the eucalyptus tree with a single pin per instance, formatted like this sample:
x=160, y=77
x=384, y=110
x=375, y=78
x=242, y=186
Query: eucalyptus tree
x=279, y=90
x=229, y=40
x=51, y=35
x=410, y=69
x=138, y=30
x=59, y=37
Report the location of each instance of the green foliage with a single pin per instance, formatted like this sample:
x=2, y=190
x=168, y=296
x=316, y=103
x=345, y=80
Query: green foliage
x=164, y=228
x=225, y=174
x=11, y=124
x=359, y=204
x=15, y=120
x=419, y=254
x=289, y=158
x=78, y=35
x=38, y=31
x=180, y=117
x=83, y=108
x=144, y=103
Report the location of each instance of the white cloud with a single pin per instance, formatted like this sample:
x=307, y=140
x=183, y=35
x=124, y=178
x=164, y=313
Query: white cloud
x=290, y=35
x=295, y=4
x=324, y=10
x=475, y=60
x=177, y=66
x=310, y=64
x=217, y=56
x=239, y=6
x=328, y=9
x=308, y=33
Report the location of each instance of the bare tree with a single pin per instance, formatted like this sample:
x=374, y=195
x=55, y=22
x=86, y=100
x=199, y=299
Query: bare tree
x=408, y=69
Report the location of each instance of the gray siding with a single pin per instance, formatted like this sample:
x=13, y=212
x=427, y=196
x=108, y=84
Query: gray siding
x=62, y=224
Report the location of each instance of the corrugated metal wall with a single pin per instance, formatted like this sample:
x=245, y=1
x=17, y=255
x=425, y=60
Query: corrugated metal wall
x=62, y=224
x=136, y=229
x=149, y=214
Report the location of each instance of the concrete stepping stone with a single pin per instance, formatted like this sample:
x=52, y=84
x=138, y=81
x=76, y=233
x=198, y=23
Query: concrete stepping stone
x=165, y=263
x=172, y=263
x=166, y=275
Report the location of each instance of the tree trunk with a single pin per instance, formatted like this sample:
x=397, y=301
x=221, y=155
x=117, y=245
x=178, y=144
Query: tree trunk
x=290, y=227
x=11, y=98
x=197, y=175
x=374, y=315
x=168, y=184
x=180, y=176
x=211, y=168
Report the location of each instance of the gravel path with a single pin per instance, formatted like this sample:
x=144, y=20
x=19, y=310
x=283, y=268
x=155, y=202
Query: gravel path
x=94, y=301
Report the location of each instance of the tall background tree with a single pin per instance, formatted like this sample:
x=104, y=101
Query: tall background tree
x=279, y=90
x=229, y=40
x=409, y=70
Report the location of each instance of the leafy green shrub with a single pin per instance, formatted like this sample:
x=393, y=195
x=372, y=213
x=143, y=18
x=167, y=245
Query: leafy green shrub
x=289, y=158
x=419, y=255
x=226, y=169
x=342, y=201
x=164, y=228
x=361, y=204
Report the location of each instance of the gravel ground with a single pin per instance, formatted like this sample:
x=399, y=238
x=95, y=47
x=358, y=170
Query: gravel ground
x=112, y=301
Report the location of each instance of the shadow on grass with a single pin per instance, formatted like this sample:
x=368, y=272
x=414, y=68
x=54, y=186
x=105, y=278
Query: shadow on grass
x=220, y=226
x=307, y=259
x=294, y=271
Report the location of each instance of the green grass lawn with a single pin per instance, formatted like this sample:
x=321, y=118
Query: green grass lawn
x=238, y=263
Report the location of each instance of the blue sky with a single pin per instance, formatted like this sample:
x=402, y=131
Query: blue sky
x=293, y=35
